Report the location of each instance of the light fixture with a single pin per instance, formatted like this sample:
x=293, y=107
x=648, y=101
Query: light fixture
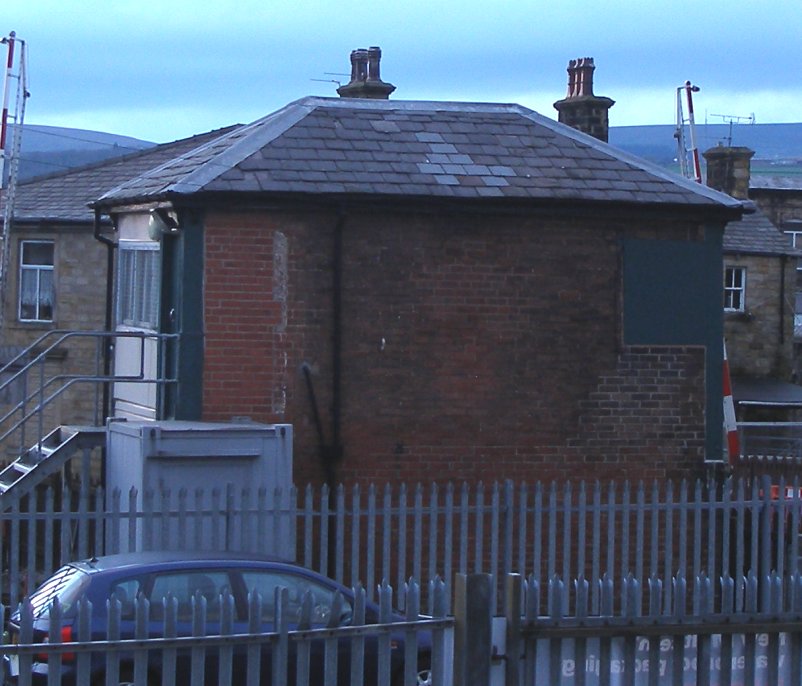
x=160, y=222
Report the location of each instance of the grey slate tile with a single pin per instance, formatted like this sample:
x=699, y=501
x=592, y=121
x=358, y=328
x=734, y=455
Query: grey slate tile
x=411, y=148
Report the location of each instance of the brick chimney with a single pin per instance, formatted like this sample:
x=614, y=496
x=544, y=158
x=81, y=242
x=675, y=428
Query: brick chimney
x=728, y=170
x=581, y=109
x=365, y=77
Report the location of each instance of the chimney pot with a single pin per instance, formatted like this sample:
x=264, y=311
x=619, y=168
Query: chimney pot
x=365, y=76
x=581, y=109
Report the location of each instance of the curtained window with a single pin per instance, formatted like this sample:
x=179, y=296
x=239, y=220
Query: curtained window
x=36, y=292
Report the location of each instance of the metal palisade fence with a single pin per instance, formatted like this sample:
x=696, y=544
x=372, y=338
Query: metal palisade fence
x=277, y=641
x=368, y=535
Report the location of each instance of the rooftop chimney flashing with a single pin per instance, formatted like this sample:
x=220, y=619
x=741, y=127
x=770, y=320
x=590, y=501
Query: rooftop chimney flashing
x=366, y=79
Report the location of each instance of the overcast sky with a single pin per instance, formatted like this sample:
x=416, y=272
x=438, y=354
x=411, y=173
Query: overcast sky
x=165, y=69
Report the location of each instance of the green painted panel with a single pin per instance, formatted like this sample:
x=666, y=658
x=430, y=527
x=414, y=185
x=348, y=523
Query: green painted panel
x=673, y=296
x=182, y=312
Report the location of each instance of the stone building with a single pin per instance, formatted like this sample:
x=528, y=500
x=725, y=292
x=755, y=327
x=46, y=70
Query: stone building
x=759, y=298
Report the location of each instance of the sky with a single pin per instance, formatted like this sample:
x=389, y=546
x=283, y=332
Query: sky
x=161, y=70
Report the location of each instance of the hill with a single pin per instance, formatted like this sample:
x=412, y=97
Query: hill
x=50, y=149
x=778, y=147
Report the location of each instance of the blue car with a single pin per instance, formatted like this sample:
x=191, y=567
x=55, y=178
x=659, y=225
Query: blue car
x=184, y=578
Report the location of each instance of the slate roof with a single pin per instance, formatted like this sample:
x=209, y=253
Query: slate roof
x=64, y=197
x=340, y=146
x=776, y=182
x=754, y=234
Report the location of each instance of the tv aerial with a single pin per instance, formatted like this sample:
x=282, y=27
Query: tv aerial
x=734, y=119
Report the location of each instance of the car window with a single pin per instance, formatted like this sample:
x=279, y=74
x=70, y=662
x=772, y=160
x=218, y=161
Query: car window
x=67, y=584
x=126, y=592
x=184, y=586
x=297, y=586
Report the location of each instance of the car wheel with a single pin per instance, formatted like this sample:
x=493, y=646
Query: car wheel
x=424, y=673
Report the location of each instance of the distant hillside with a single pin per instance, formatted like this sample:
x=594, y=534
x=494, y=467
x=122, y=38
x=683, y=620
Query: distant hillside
x=51, y=149
x=778, y=147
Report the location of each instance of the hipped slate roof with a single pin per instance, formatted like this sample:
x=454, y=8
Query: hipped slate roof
x=64, y=197
x=339, y=146
x=754, y=234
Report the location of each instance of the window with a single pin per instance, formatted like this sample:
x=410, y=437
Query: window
x=36, y=281
x=186, y=588
x=796, y=238
x=734, y=289
x=138, y=285
x=322, y=598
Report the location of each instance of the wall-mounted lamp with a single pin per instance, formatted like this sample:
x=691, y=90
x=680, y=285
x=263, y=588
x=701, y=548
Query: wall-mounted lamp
x=160, y=222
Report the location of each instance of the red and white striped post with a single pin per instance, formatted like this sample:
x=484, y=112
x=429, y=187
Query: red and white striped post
x=6, y=89
x=697, y=168
x=730, y=423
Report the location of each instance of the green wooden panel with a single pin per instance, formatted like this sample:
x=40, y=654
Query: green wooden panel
x=673, y=296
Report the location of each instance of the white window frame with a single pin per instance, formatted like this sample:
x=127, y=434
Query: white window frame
x=138, y=285
x=796, y=242
x=38, y=270
x=734, y=289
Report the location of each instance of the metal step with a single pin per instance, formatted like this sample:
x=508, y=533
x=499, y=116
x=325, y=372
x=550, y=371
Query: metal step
x=42, y=460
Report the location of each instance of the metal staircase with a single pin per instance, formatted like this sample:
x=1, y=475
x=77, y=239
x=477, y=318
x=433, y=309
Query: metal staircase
x=51, y=450
x=48, y=457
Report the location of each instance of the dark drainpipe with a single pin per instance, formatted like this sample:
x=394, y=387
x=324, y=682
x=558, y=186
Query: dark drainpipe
x=107, y=343
x=783, y=260
x=331, y=452
x=107, y=348
x=336, y=346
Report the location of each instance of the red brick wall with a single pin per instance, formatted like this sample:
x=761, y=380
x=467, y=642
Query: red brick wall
x=472, y=347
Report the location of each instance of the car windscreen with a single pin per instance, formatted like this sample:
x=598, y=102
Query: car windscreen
x=66, y=584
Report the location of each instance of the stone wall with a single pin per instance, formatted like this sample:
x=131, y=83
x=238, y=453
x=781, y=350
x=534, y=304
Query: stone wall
x=760, y=339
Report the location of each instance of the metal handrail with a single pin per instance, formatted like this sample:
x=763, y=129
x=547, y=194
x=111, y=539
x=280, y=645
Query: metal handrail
x=41, y=397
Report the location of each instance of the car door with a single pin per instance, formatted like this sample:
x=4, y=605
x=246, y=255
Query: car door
x=188, y=589
x=298, y=585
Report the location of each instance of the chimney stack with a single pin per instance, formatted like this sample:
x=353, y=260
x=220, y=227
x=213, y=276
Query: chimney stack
x=365, y=76
x=729, y=169
x=581, y=109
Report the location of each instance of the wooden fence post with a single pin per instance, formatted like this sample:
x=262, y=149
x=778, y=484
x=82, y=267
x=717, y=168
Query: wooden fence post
x=473, y=642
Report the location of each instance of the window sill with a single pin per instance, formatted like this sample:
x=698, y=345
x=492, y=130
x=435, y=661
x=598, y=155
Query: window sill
x=733, y=315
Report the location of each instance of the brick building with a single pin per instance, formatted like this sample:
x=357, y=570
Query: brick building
x=435, y=290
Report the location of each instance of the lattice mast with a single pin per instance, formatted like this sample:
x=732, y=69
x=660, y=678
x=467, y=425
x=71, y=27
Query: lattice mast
x=10, y=141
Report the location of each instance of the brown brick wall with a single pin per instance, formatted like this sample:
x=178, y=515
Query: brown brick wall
x=472, y=348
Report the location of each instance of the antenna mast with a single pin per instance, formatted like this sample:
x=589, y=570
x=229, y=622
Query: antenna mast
x=734, y=119
x=688, y=157
x=10, y=148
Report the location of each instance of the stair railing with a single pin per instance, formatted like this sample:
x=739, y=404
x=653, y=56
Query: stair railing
x=29, y=409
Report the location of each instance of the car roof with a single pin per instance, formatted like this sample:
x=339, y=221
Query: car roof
x=160, y=559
